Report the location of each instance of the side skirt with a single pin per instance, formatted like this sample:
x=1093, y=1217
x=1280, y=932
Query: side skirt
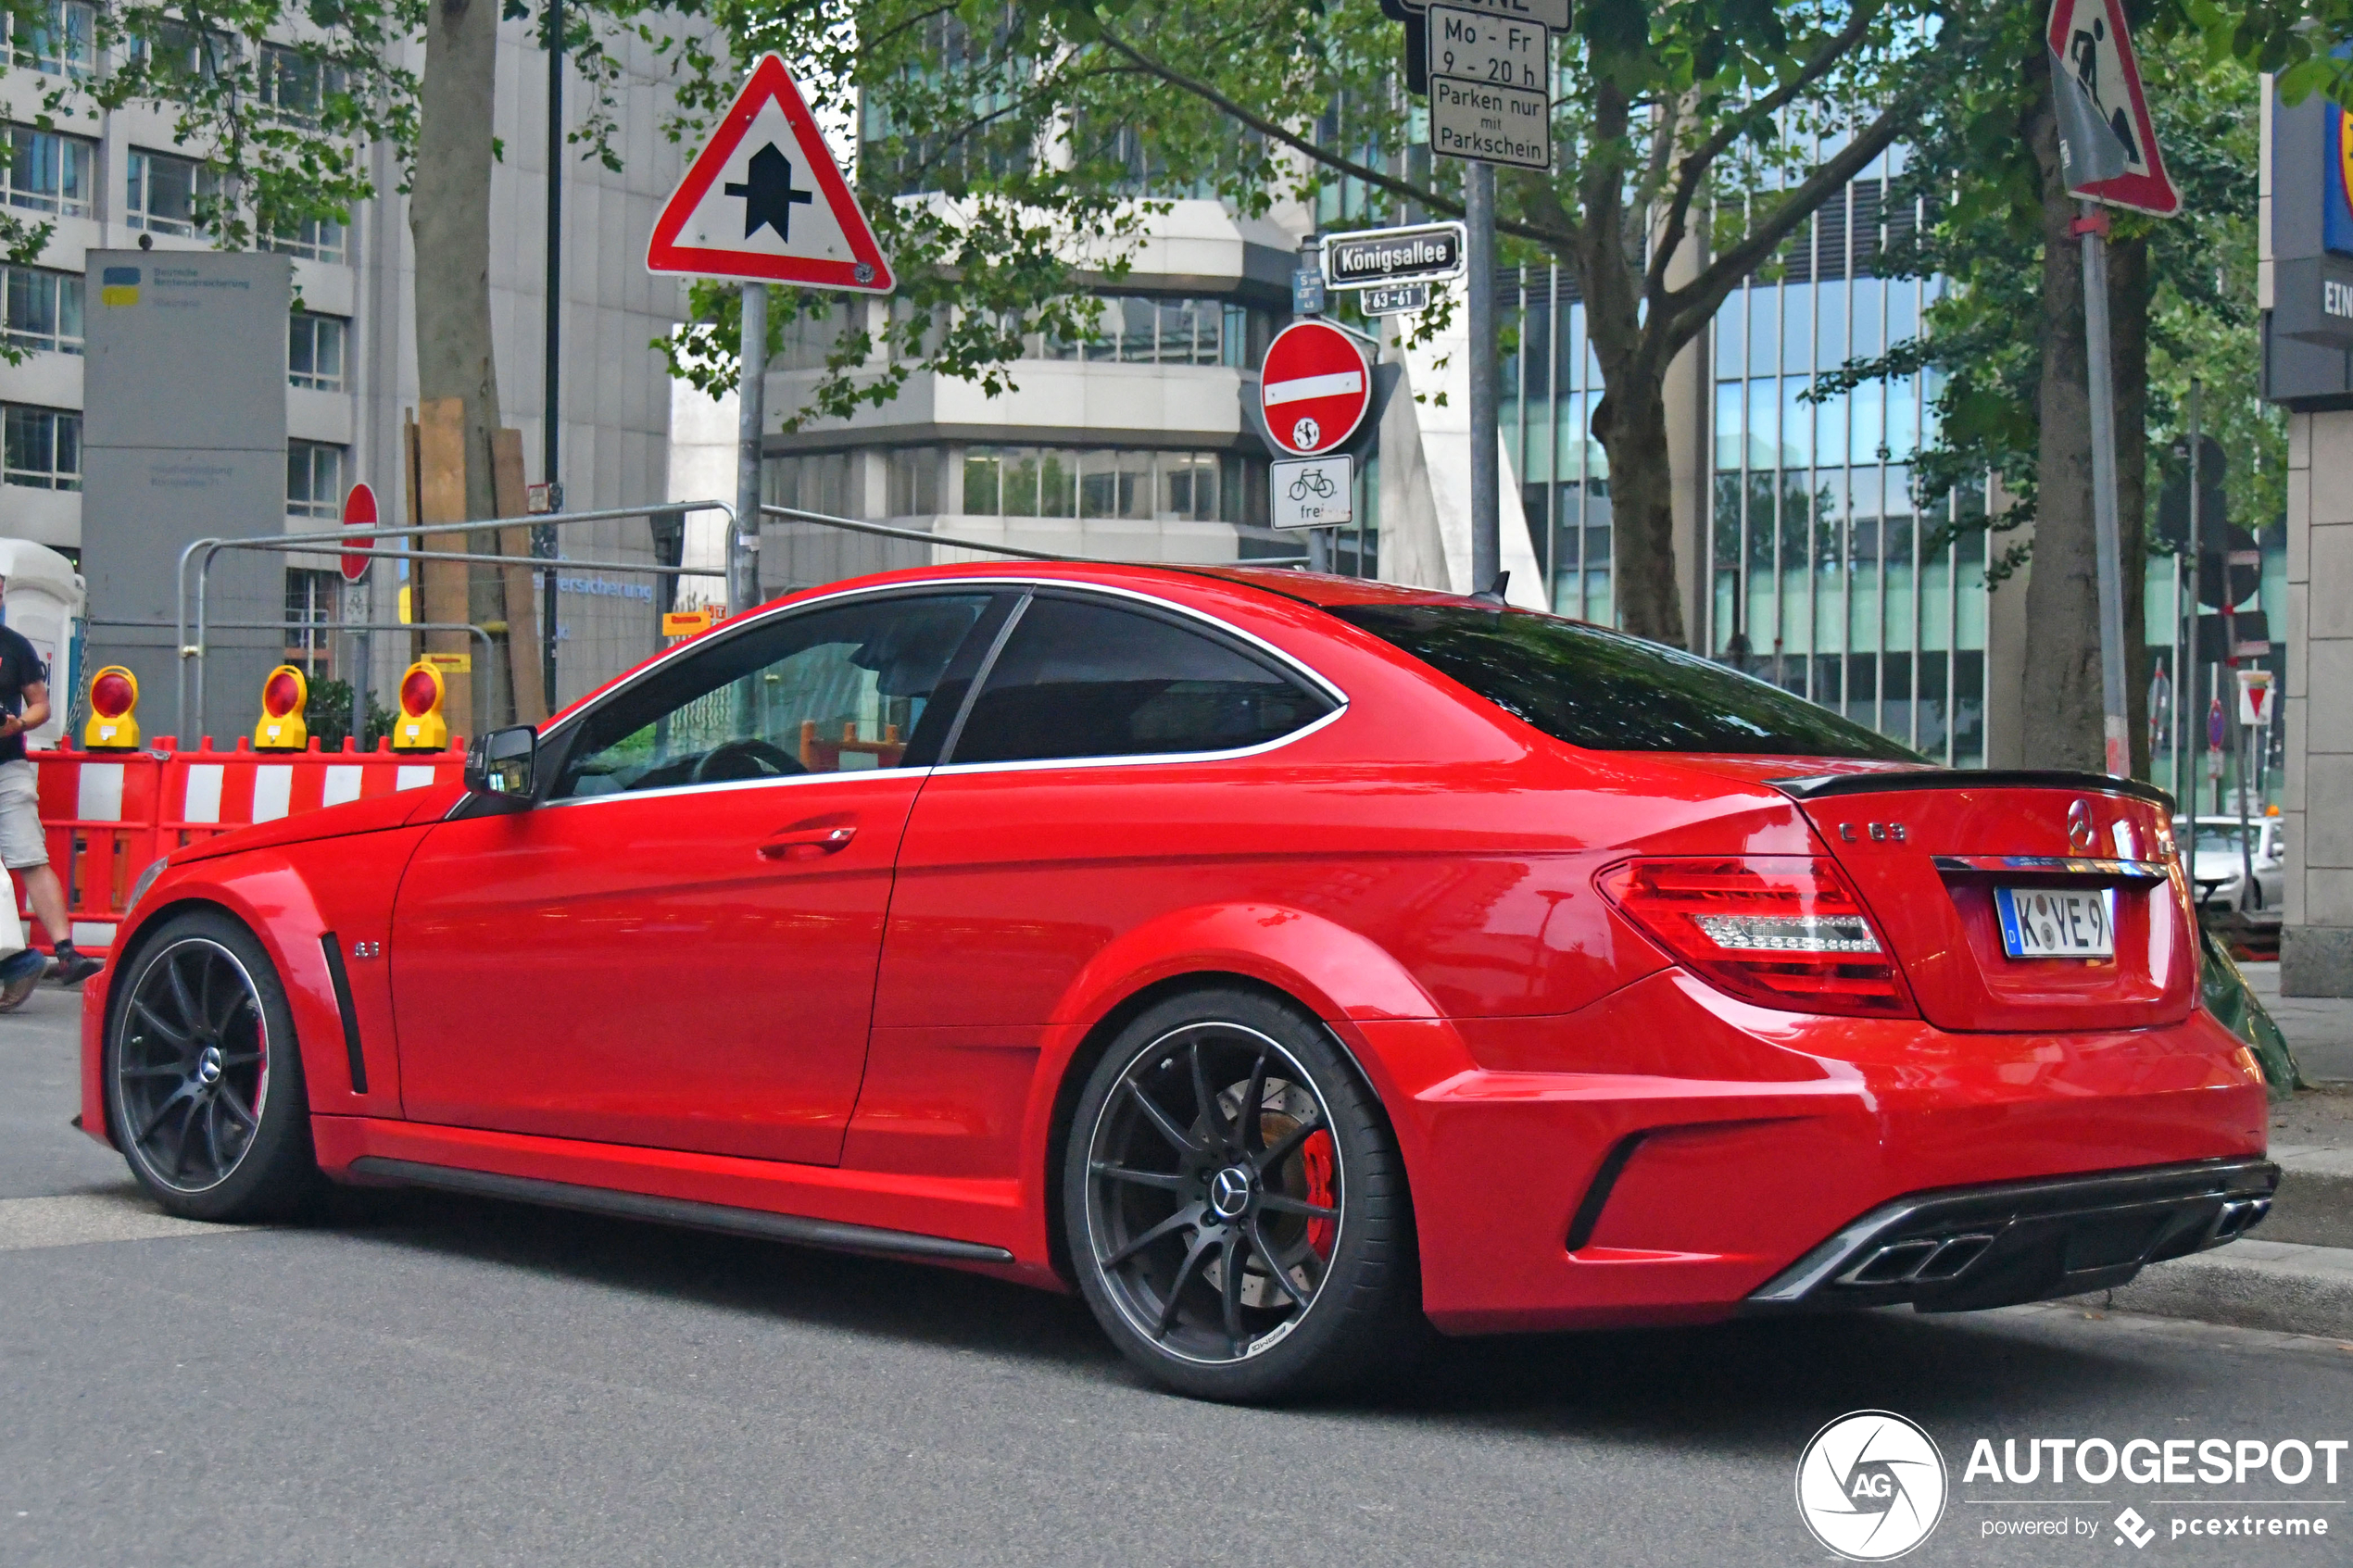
x=678, y=1211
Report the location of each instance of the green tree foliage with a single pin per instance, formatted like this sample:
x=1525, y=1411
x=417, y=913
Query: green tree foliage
x=1981, y=339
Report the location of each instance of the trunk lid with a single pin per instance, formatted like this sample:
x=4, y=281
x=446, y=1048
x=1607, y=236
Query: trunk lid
x=1926, y=850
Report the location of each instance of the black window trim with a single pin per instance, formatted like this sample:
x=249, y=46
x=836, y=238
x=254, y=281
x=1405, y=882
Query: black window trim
x=558, y=738
x=560, y=732
x=1183, y=617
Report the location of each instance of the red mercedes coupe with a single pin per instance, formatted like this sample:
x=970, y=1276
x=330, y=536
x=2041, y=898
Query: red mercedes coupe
x=1279, y=960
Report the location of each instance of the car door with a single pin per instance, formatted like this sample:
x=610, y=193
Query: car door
x=1107, y=770
x=675, y=945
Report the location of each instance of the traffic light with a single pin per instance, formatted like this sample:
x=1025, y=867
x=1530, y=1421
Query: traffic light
x=420, y=726
x=285, y=693
x=114, y=706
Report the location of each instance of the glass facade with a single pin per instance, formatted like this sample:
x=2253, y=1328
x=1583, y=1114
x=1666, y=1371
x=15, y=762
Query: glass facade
x=1823, y=576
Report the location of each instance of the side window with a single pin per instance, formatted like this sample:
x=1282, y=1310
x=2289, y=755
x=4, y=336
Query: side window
x=829, y=690
x=1080, y=678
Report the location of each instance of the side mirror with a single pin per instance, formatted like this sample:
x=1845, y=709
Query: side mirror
x=503, y=761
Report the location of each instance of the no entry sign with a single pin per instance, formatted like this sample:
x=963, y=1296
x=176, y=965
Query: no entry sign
x=1313, y=387
x=359, y=511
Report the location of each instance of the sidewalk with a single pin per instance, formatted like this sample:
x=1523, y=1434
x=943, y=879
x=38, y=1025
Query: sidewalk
x=2295, y=1274
x=2320, y=1029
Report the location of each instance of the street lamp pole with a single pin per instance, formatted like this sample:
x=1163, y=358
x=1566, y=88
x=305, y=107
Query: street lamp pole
x=543, y=537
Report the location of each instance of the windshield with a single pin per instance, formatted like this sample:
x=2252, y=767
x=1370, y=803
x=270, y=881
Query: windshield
x=2215, y=838
x=1610, y=691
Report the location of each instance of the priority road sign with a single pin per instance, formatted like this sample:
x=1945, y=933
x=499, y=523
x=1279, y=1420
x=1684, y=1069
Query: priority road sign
x=1314, y=388
x=2107, y=146
x=764, y=201
x=359, y=511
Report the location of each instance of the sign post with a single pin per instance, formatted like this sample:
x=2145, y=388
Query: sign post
x=764, y=202
x=1314, y=390
x=1490, y=72
x=2255, y=715
x=2108, y=150
x=359, y=511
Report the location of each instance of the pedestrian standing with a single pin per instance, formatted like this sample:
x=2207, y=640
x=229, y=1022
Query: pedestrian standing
x=24, y=849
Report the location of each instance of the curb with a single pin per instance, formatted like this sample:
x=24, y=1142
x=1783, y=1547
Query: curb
x=2286, y=1287
x=2315, y=1201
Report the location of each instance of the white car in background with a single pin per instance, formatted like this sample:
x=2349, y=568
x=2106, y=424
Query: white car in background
x=2216, y=865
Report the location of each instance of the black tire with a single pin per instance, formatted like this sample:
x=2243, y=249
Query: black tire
x=203, y=1077
x=1327, y=1291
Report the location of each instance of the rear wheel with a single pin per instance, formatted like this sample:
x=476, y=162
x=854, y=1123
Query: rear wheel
x=203, y=1078
x=1236, y=1206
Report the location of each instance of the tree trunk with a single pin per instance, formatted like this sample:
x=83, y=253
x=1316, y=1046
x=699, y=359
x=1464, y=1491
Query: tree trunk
x=2061, y=705
x=2129, y=287
x=449, y=220
x=1630, y=422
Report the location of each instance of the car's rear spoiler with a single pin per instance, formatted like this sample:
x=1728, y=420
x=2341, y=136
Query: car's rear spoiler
x=1817, y=788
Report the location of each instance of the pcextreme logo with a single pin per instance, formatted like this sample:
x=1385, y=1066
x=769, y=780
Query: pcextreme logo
x=1870, y=1486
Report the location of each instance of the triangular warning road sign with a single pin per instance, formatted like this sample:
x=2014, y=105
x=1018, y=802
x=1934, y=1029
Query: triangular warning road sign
x=2106, y=143
x=765, y=201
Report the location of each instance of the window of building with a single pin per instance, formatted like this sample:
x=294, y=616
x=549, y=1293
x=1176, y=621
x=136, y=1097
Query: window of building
x=62, y=42
x=818, y=481
x=40, y=309
x=298, y=84
x=164, y=193
x=1133, y=330
x=915, y=481
x=1080, y=678
x=1035, y=482
x=47, y=171
x=177, y=49
x=316, y=239
x=314, y=478
x=40, y=448
x=314, y=351
x=312, y=598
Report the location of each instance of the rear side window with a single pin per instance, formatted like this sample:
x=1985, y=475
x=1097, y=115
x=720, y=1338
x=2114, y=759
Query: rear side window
x=1080, y=678
x=1610, y=691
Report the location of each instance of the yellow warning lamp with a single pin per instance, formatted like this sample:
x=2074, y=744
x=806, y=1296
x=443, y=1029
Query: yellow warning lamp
x=285, y=693
x=114, y=707
x=420, y=727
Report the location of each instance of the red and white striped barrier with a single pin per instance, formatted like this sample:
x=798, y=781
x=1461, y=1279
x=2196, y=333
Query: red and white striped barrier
x=108, y=815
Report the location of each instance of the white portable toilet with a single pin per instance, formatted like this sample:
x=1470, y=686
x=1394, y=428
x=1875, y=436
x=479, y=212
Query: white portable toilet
x=44, y=606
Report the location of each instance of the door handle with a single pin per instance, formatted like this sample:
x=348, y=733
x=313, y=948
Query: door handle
x=807, y=843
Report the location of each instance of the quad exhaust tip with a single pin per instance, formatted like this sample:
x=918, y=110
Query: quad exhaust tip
x=1921, y=1260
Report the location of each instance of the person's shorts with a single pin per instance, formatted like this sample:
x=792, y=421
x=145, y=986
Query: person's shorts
x=22, y=845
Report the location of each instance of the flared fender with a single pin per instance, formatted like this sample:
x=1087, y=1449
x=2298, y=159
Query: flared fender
x=263, y=890
x=1380, y=1013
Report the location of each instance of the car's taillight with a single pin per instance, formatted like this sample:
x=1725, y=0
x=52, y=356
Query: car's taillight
x=1783, y=929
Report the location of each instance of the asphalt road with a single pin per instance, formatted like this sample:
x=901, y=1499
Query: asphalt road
x=423, y=1380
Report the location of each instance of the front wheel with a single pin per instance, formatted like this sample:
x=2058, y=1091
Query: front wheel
x=203, y=1082
x=1236, y=1205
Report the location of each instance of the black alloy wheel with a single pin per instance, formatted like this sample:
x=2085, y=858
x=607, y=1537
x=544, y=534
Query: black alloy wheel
x=1236, y=1208
x=203, y=1078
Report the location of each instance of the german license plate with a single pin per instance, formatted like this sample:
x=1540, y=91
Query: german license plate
x=2056, y=923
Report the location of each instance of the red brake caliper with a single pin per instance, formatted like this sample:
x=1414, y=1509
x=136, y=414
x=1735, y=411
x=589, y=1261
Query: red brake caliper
x=1317, y=1155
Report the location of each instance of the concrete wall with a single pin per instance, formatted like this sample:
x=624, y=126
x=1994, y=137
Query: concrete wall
x=2316, y=943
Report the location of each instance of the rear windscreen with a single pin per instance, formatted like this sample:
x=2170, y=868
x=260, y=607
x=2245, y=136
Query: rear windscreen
x=1610, y=691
